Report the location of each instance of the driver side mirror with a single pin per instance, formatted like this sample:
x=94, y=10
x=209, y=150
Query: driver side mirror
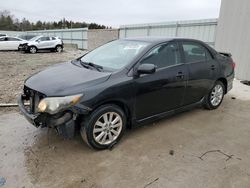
x=146, y=69
x=38, y=40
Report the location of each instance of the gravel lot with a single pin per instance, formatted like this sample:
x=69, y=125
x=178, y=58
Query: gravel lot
x=15, y=67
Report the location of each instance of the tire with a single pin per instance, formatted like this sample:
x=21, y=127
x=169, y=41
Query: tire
x=101, y=134
x=215, y=97
x=59, y=48
x=32, y=49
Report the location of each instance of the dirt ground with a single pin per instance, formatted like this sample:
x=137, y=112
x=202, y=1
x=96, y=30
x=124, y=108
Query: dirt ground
x=15, y=67
x=198, y=148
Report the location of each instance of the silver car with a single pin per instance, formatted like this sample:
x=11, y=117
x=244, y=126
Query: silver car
x=42, y=43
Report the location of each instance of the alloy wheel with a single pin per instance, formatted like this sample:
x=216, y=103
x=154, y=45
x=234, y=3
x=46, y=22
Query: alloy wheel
x=59, y=49
x=216, y=95
x=107, y=128
x=32, y=50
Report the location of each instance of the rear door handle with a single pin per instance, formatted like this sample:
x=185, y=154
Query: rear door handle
x=180, y=75
x=212, y=67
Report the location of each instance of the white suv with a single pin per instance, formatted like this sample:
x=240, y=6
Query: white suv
x=42, y=43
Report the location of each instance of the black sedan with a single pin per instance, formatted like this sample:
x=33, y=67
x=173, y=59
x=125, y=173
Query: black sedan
x=125, y=83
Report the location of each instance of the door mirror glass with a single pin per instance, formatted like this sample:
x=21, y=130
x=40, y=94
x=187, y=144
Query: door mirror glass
x=146, y=69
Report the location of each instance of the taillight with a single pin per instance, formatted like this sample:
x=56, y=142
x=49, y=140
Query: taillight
x=233, y=65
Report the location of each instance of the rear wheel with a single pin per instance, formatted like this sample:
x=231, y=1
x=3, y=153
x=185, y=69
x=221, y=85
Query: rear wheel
x=215, y=97
x=104, y=127
x=32, y=49
x=59, y=49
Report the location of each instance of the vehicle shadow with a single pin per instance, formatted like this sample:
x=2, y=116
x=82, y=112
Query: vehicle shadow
x=43, y=52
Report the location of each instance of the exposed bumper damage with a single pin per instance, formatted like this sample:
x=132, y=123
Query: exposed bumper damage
x=23, y=47
x=64, y=122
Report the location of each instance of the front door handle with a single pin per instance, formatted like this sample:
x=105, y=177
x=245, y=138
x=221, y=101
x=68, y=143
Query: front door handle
x=180, y=75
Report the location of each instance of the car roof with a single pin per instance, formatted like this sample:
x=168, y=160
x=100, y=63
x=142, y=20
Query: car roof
x=10, y=37
x=156, y=40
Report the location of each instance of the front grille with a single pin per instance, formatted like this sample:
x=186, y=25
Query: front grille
x=33, y=97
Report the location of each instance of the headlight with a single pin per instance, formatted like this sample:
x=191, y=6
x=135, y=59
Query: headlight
x=52, y=105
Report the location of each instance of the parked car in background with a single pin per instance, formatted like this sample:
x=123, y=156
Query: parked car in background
x=2, y=35
x=10, y=43
x=42, y=43
x=125, y=83
x=27, y=37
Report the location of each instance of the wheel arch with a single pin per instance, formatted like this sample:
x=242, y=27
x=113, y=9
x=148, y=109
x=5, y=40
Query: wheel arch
x=224, y=81
x=59, y=45
x=33, y=46
x=123, y=106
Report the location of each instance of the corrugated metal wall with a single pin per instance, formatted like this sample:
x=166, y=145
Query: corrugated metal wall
x=72, y=36
x=12, y=33
x=198, y=29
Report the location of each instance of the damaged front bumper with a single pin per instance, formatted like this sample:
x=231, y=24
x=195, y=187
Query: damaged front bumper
x=23, y=47
x=64, y=122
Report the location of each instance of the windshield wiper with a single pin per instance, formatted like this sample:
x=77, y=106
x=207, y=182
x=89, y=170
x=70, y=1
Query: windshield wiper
x=85, y=65
x=90, y=64
x=97, y=67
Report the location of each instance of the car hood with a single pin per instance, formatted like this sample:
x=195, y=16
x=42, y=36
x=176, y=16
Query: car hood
x=65, y=79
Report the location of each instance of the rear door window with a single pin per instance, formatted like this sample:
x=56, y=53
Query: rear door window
x=194, y=52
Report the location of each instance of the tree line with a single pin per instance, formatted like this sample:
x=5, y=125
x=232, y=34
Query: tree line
x=9, y=22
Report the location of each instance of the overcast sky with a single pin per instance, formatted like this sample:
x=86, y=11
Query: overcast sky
x=113, y=12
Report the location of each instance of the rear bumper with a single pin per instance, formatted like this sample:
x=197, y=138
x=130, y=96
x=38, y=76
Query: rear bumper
x=230, y=80
x=229, y=86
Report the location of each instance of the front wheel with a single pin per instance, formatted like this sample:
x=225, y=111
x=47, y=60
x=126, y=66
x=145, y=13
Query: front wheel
x=104, y=127
x=33, y=49
x=215, y=97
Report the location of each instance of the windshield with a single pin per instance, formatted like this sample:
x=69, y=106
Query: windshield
x=115, y=55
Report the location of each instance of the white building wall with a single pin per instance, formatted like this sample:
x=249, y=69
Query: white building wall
x=233, y=34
